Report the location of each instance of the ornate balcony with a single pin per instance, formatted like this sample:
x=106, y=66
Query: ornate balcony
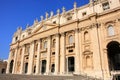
x=26, y=54
x=70, y=45
x=43, y=50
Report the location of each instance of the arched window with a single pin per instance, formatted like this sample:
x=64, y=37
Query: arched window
x=70, y=39
x=45, y=44
x=86, y=36
x=110, y=30
x=54, y=42
x=88, y=61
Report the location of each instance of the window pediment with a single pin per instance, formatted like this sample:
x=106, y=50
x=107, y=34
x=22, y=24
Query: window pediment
x=87, y=52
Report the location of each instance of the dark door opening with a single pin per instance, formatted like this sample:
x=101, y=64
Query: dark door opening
x=71, y=64
x=11, y=66
x=34, y=69
x=53, y=68
x=43, y=70
x=26, y=67
x=113, y=49
x=3, y=71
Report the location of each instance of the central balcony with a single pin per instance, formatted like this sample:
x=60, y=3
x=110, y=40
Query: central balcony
x=70, y=45
x=43, y=50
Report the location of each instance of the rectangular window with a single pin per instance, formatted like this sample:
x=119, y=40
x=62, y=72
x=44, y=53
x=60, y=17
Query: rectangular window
x=106, y=6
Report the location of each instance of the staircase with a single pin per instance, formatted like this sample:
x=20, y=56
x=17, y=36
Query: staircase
x=42, y=77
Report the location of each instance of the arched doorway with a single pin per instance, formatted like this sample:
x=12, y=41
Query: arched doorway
x=34, y=70
x=71, y=64
x=43, y=70
x=113, y=49
x=3, y=71
x=26, y=67
x=53, y=68
x=11, y=66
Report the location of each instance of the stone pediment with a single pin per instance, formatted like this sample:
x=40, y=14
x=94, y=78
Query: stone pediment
x=44, y=27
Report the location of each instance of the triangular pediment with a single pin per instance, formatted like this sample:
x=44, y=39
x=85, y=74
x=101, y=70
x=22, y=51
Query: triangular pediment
x=44, y=26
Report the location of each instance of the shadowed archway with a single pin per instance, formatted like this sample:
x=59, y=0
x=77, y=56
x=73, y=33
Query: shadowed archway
x=113, y=50
x=43, y=68
x=11, y=66
x=26, y=67
x=71, y=64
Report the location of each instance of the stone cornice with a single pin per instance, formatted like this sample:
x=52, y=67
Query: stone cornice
x=108, y=11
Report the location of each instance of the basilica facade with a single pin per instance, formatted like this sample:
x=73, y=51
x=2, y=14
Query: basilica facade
x=83, y=40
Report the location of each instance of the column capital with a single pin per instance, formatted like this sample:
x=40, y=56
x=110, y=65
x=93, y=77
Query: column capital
x=23, y=45
x=62, y=34
x=38, y=40
x=57, y=34
x=49, y=37
x=32, y=42
x=77, y=29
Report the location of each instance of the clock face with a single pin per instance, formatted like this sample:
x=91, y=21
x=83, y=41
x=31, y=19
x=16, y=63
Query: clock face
x=44, y=27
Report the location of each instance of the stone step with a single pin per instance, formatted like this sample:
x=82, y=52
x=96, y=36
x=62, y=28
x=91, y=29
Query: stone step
x=43, y=77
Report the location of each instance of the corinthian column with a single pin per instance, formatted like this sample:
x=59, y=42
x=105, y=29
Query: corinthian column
x=8, y=63
x=22, y=60
x=48, y=55
x=15, y=59
x=30, y=64
x=63, y=53
x=57, y=54
x=38, y=58
x=77, y=55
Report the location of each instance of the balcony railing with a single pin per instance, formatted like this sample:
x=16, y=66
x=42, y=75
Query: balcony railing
x=70, y=45
x=26, y=54
x=43, y=50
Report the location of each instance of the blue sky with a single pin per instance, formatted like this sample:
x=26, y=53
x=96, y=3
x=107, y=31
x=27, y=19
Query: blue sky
x=15, y=13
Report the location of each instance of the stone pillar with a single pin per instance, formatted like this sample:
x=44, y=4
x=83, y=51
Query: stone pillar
x=57, y=54
x=62, y=53
x=96, y=51
x=106, y=71
x=80, y=52
x=38, y=58
x=77, y=54
x=40, y=66
x=8, y=63
x=30, y=64
x=15, y=59
x=22, y=60
x=48, y=55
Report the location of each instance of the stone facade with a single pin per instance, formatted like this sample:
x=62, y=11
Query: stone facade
x=83, y=40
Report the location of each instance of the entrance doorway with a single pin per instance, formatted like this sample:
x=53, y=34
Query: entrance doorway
x=11, y=66
x=3, y=71
x=71, y=64
x=26, y=67
x=113, y=49
x=43, y=70
x=53, y=68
